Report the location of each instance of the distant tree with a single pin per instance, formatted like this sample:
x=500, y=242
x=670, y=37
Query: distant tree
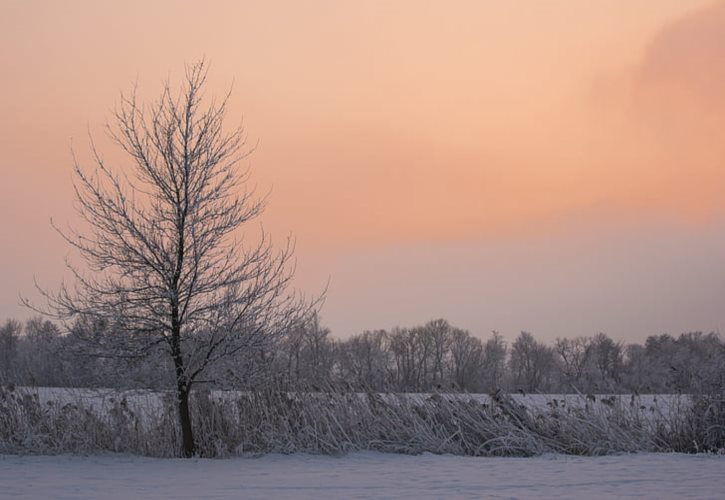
x=494, y=362
x=41, y=354
x=634, y=373
x=701, y=364
x=319, y=351
x=693, y=363
x=406, y=357
x=166, y=267
x=531, y=363
x=9, y=335
x=608, y=358
x=308, y=350
x=364, y=361
x=439, y=332
x=574, y=356
x=467, y=359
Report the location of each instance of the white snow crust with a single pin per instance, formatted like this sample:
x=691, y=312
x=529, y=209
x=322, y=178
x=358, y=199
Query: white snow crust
x=363, y=475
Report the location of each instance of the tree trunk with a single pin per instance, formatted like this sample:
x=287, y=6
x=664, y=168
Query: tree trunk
x=188, y=447
x=183, y=387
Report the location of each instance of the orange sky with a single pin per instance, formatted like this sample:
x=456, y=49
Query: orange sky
x=502, y=164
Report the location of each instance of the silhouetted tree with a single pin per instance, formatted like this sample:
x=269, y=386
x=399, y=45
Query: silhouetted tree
x=165, y=267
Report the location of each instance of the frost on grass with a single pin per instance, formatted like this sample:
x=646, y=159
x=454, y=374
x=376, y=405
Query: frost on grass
x=239, y=423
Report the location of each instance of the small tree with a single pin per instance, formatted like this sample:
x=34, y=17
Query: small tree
x=9, y=334
x=165, y=266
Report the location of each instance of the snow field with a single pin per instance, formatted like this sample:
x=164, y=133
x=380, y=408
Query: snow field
x=364, y=475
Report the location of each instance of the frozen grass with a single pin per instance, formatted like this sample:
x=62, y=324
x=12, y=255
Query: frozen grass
x=233, y=423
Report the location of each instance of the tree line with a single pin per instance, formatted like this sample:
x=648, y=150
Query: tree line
x=436, y=356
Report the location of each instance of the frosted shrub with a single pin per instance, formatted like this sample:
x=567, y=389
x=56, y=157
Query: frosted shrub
x=26, y=425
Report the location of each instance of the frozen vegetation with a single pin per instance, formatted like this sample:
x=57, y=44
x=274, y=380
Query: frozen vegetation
x=401, y=391
x=433, y=388
x=364, y=475
x=230, y=423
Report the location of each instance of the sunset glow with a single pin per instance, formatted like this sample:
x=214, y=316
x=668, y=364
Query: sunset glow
x=510, y=166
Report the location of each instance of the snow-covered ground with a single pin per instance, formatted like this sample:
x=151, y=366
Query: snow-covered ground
x=364, y=475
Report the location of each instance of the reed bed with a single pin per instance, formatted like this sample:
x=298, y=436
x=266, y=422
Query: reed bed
x=336, y=422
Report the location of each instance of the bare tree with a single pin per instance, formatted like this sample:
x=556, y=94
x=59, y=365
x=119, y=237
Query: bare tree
x=494, y=359
x=575, y=355
x=309, y=354
x=403, y=349
x=466, y=359
x=165, y=263
x=608, y=358
x=319, y=351
x=40, y=359
x=439, y=332
x=9, y=334
x=531, y=363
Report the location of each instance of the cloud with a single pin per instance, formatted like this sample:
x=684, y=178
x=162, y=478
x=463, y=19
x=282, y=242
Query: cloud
x=679, y=87
x=662, y=122
x=688, y=55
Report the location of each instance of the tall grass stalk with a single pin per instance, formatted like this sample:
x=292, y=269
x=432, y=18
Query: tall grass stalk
x=336, y=422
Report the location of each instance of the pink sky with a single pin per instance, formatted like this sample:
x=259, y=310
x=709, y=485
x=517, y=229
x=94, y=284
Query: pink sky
x=549, y=166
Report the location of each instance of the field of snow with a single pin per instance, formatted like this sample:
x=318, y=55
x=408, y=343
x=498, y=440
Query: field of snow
x=363, y=475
